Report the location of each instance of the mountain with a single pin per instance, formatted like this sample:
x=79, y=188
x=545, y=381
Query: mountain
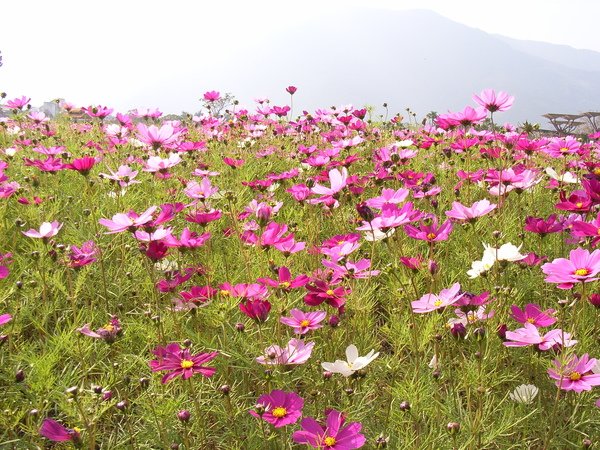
x=415, y=59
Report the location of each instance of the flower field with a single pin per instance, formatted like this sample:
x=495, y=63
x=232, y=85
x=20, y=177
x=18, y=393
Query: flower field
x=255, y=279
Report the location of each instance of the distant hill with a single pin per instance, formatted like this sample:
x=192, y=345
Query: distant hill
x=415, y=59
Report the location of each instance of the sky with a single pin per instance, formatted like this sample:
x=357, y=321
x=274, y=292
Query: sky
x=112, y=52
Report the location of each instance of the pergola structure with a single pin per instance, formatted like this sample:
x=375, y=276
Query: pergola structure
x=565, y=123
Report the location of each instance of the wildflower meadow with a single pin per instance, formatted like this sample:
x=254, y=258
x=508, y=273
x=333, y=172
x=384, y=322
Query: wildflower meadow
x=266, y=278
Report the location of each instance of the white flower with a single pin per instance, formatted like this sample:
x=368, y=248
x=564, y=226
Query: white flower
x=479, y=267
x=377, y=235
x=404, y=143
x=524, y=393
x=433, y=364
x=567, y=177
x=506, y=252
x=10, y=151
x=353, y=364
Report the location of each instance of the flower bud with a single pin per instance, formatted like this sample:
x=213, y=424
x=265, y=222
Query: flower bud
x=453, y=427
x=404, y=406
x=19, y=376
x=594, y=299
x=183, y=415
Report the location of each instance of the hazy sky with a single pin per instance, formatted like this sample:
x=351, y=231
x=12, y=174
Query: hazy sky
x=107, y=51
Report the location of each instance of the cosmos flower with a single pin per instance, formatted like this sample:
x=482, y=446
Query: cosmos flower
x=180, y=362
x=294, y=353
x=280, y=408
x=525, y=393
x=56, y=432
x=303, y=322
x=494, y=101
x=47, y=230
x=334, y=434
x=353, y=363
x=576, y=375
x=431, y=302
x=581, y=267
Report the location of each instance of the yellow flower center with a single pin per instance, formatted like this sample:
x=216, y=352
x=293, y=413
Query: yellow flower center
x=579, y=204
x=284, y=284
x=582, y=272
x=109, y=327
x=597, y=171
x=305, y=323
x=279, y=412
x=329, y=441
x=437, y=303
x=330, y=292
x=224, y=292
x=187, y=364
x=531, y=320
x=431, y=236
x=564, y=149
x=575, y=376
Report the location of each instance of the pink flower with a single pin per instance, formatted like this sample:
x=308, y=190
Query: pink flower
x=124, y=176
x=303, y=322
x=18, y=103
x=285, y=281
x=212, y=96
x=493, y=101
x=388, y=196
x=534, y=315
x=280, y=408
x=82, y=256
x=530, y=335
x=47, y=230
x=195, y=297
x=5, y=318
x=4, y=259
x=82, y=165
x=581, y=267
x=108, y=332
x=189, y=240
x=127, y=221
x=332, y=435
x=429, y=231
x=463, y=213
x=291, y=90
x=337, y=182
x=166, y=136
x=56, y=432
x=576, y=375
x=295, y=352
x=178, y=361
x=431, y=302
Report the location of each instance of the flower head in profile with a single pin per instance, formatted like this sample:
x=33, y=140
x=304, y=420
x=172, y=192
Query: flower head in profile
x=295, y=352
x=463, y=213
x=524, y=393
x=494, y=101
x=279, y=408
x=5, y=318
x=353, y=363
x=56, y=432
x=108, y=332
x=46, y=231
x=334, y=434
x=177, y=361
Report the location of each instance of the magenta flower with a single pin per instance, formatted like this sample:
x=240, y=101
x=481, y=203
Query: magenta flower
x=178, y=361
x=212, y=96
x=82, y=256
x=429, y=230
x=295, y=352
x=319, y=291
x=285, y=281
x=463, y=213
x=291, y=90
x=431, y=302
x=543, y=227
x=47, y=230
x=576, y=375
x=534, y=315
x=189, y=240
x=5, y=318
x=257, y=309
x=303, y=322
x=82, y=165
x=280, y=408
x=124, y=176
x=332, y=435
x=4, y=259
x=494, y=101
x=197, y=296
x=581, y=267
x=56, y=432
